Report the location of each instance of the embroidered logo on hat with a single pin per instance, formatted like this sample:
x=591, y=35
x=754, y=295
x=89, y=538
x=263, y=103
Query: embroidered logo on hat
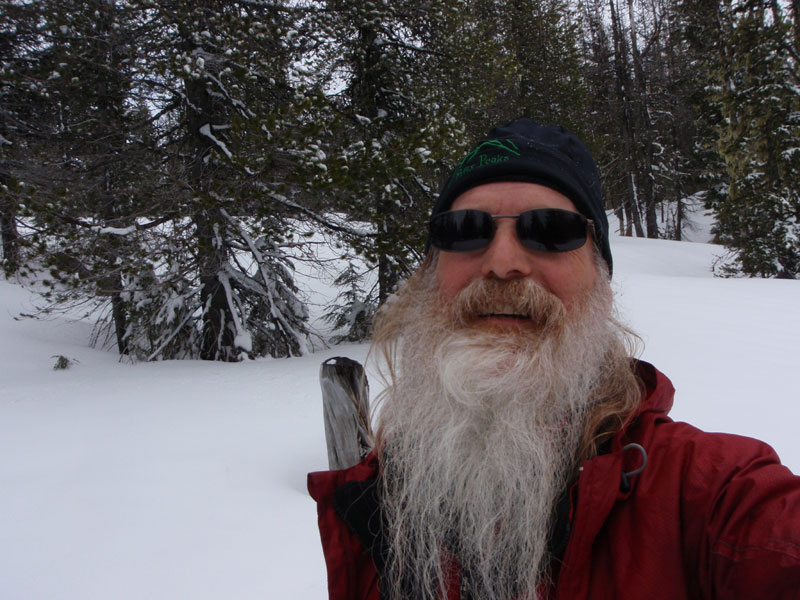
x=490, y=152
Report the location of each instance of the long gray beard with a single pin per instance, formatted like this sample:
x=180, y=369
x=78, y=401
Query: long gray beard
x=482, y=428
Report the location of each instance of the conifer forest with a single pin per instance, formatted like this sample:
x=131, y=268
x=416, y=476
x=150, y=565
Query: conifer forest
x=157, y=156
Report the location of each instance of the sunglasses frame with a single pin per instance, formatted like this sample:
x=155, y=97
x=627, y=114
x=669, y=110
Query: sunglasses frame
x=530, y=244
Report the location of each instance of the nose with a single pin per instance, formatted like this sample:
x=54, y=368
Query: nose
x=506, y=257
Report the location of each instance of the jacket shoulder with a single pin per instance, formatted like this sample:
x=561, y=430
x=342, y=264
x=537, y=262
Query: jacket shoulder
x=738, y=506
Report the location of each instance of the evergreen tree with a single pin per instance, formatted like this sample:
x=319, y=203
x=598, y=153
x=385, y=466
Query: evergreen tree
x=749, y=56
x=174, y=145
x=392, y=125
x=233, y=139
x=419, y=81
x=82, y=139
x=17, y=36
x=760, y=218
x=645, y=122
x=543, y=40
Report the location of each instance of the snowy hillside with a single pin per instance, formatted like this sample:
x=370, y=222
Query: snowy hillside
x=186, y=480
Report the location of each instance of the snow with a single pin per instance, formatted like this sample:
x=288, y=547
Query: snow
x=206, y=131
x=114, y=230
x=182, y=479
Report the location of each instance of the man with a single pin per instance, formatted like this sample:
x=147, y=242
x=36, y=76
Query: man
x=519, y=452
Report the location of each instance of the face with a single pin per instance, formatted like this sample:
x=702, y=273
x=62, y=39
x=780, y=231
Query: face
x=567, y=275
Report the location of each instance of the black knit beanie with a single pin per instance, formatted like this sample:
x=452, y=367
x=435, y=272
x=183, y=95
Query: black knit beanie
x=524, y=150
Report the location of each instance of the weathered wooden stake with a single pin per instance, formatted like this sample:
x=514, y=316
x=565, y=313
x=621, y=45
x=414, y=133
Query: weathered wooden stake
x=345, y=400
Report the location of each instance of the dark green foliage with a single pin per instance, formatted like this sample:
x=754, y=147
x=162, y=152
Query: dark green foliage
x=155, y=186
x=392, y=125
x=352, y=315
x=419, y=81
x=154, y=154
x=751, y=62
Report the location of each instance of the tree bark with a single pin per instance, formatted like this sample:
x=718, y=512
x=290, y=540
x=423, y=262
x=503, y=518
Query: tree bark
x=643, y=158
x=9, y=233
x=218, y=331
x=623, y=84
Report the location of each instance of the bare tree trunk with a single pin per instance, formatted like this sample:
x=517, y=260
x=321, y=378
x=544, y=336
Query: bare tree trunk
x=619, y=212
x=218, y=332
x=9, y=233
x=643, y=158
x=623, y=83
x=632, y=206
x=388, y=279
x=370, y=97
x=113, y=209
x=388, y=275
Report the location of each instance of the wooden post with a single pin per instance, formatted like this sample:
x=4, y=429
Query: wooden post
x=345, y=400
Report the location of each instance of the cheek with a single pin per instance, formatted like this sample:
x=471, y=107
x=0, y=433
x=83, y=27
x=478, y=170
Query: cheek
x=454, y=272
x=575, y=277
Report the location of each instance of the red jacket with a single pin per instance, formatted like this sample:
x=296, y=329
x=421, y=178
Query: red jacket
x=711, y=516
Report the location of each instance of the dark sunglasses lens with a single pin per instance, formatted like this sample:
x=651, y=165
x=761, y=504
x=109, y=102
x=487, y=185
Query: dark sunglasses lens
x=461, y=230
x=551, y=230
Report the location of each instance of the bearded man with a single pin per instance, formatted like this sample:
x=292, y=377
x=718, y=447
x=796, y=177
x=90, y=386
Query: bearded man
x=520, y=452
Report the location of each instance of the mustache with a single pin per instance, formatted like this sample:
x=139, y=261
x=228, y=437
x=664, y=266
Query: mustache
x=519, y=298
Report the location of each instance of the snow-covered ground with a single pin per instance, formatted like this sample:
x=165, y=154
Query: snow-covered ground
x=186, y=480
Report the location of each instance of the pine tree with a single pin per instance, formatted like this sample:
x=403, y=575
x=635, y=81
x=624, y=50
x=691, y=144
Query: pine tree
x=17, y=37
x=646, y=123
x=175, y=149
x=79, y=138
x=234, y=145
x=543, y=39
x=392, y=126
x=418, y=82
x=748, y=53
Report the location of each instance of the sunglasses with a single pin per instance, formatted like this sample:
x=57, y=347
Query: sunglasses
x=543, y=229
